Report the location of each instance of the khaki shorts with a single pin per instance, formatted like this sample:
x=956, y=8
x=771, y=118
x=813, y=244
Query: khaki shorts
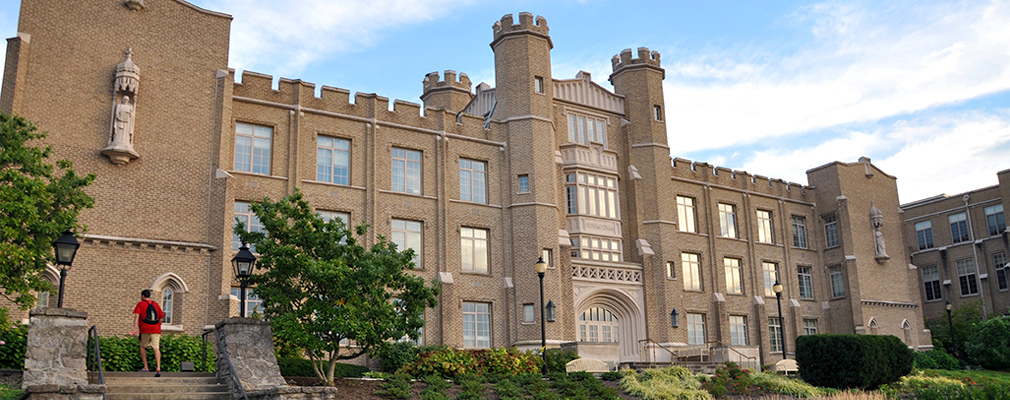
x=150, y=340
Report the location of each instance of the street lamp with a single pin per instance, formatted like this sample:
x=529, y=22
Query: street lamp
x=777, y=288
x=244, y=262
x=674, y=321
x=66, y=248
x=950, y=320
x=541, y=268
x=550, y=311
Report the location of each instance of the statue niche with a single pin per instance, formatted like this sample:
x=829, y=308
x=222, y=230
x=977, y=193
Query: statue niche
x=877, y=221
x=124, y=112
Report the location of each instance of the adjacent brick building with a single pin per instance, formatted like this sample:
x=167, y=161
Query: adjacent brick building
x=644, y=251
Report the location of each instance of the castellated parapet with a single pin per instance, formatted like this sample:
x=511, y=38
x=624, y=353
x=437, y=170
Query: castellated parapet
x=740, y=180
x=526, y=24
x=448, y=93
x=625, y=59
x=431, y=82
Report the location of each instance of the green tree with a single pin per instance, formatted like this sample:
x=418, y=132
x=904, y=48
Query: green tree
x=964, y=319
x=320, y=286
x=37, y=203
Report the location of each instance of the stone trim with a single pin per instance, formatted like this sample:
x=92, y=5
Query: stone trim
x=885, y=303
x=148, y=244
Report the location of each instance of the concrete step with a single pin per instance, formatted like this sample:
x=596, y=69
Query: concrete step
x=169, y=386
x=168, y=396
x=163, y=380
x=139, y=388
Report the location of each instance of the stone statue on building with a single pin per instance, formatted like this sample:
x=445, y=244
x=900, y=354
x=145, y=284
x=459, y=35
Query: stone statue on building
x=124, y=112
x=877, y=221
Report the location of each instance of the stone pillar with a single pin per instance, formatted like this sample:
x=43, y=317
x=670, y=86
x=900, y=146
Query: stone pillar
x=55, y=359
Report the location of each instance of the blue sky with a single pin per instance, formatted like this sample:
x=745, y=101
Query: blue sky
x=770, y=87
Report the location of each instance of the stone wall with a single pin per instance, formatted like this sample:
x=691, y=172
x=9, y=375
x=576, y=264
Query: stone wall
x=55, y=363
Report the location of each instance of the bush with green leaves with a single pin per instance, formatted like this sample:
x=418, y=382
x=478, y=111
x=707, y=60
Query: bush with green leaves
x=121, y=353
x=729, y=379
x=989, y=343
x=9, y=393
x=673, y=383
x=936, y=358
x=300, y=367
x=450, y=363
x=396, y=387
x=12, y=350
x=557, y=359
x=852, y=361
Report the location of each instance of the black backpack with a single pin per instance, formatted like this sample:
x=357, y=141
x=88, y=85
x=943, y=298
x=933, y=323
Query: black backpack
x=151, y=316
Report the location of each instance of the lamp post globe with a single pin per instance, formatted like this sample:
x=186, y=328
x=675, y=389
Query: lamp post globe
x=777, y=288
x=541, y=268
x=244, y=262
x=65, y=248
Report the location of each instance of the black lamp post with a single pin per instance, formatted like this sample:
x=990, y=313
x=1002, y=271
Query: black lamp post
x=244, y=262
x=950, y=320
x=777, y=288
x=66, y=248
x=541, y=268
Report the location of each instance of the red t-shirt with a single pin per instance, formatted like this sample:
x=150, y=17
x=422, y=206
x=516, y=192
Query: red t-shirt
x=141, y=309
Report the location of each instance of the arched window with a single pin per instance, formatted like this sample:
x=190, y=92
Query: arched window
x=167, y=300
x=173, y=291
x=873, y=326
x=598, y=325
x=907, y=329
x=43, y=297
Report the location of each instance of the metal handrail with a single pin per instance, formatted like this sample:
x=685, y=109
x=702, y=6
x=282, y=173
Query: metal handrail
x=644, y=342
x=749, y=358
x=93, y=334
x=231, y=368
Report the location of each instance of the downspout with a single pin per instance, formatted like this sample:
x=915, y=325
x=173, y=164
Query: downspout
x=974, y=250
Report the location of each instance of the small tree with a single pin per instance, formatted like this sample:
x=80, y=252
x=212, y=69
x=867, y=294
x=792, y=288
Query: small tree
x=320, y=286
x=36, y=205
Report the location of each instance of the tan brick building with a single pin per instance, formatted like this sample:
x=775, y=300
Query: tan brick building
x=480, y=181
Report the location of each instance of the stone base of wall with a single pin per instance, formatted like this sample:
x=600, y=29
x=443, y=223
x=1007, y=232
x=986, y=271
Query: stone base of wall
x=295, y=393
x=64, y=392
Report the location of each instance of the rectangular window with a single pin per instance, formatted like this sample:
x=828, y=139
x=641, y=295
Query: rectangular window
x=692, y=271
x=407, y=235
x=333, y=160
x=657, y=112
x=528, y=313
x=958, y=227
x=995, y=220
x=685, y=214
x=931, y=282
x=799, y=232
x=244, y=214
x=734, y=280
x=837, y=281
x=831, y=230
x=806, y=282
x=252, y=148
x=406, y=174
x=524, y=183
x=738, y=330
x=671, y=270
x=583, y=129
x=966, y=277
x=695, y=329
x=330, y=215
x=775, y=334
x=592, y=194
x=548, y=257
x=472, y=181
x=477, y=325
x=764, y=220
x=538, y=84
x=727, y=220
x=596, y=249
x=1002, y=269
x=924, y=232
x=253, y=303
x=474, y=249
x=809, y=326
x=770, y=271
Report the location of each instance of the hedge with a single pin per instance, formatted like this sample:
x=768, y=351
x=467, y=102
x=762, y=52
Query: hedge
x=852, y=361
x=121, y=353
x=450, y=363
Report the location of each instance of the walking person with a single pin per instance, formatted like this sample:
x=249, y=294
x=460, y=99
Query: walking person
x=147, y=316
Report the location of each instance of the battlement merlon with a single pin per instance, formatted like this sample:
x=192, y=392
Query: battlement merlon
x=432, y=82
x=526, y=25
x=645, y=58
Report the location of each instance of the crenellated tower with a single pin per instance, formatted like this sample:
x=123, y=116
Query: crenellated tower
x=449, y=93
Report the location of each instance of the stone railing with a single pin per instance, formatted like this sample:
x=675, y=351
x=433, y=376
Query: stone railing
x=580, y=155
x=623, y=274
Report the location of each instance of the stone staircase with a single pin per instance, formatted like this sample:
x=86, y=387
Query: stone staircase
x=697, y=367
x=170, y=386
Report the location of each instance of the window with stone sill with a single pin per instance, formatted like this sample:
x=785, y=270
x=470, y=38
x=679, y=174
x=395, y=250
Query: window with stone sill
x=727, y=220
x=406, y=171
x=244, y=214
x=585, y=129
x=596, y=248
x=472, y=180
x=959, y=228
x=967, y=277
x=1002, y=270
x=592, y=194
x=686, y=219
x=931, y=283
x=799, y=232
x=253, y=148
x=692, y=271
x=924, y=234
x=734, y=275
x=764, y=222
x=406, y=234
x=770, y=272
x=475, y=256
x=831, y=230
x=333, y=160
x=476, y=325
x=995, y=220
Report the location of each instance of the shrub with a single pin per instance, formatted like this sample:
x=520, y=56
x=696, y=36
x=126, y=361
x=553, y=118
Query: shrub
x=730, y=379
x=121, y=353
x=557, y=359
x=611, y=376
x=396, y=387
x=12, y=352
x=450, y=363
x=936, y=359
x=852, y=361
x=989, y=343
x=676, y=383
x=775, y=383
x=392, y=356
x=299, y=367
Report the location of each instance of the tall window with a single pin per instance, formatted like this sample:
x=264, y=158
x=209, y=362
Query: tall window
x=995, y=220
x=406, y=173
x=692, y=271
x=472, y=181
x=252, y=148
x=734, y=280
x=799, y=232
x=529, y=315
x=657, y=112
x=598, y=325
x=837, y=281
x=831, y=230
x=958, y=227
x=524, y=183
x=931, y=282
x=42, y=300
x=538, y=84
x=596, y=249
x=474, y=249
x=966, y=277
x=591, y=194
x=809, y=326
x=685, y=214
x=738, y=330
x=1002, y=269
x=770, y=272
x=548, y=257
x=407, y=235
x=671, y=270
x=167, y=305
x=806, y=282
x=775, y=334
x=924, y=233
x=695, y=329
x=476, y=325
x=244, y=214
x=333, y=160
x=764, y=220
x=583, y=129
x=253, y=303
x=727, y=219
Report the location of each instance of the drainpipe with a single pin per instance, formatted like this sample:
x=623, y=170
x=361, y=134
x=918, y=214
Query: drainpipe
x=974, y=250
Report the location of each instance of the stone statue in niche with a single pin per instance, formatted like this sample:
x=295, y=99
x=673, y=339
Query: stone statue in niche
x=877, y=221
x=124, y=112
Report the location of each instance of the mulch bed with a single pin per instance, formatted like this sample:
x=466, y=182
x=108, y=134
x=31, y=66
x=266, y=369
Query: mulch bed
x=350, y=388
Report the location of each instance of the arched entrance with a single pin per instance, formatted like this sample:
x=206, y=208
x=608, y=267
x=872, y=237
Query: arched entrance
x=609, y=317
